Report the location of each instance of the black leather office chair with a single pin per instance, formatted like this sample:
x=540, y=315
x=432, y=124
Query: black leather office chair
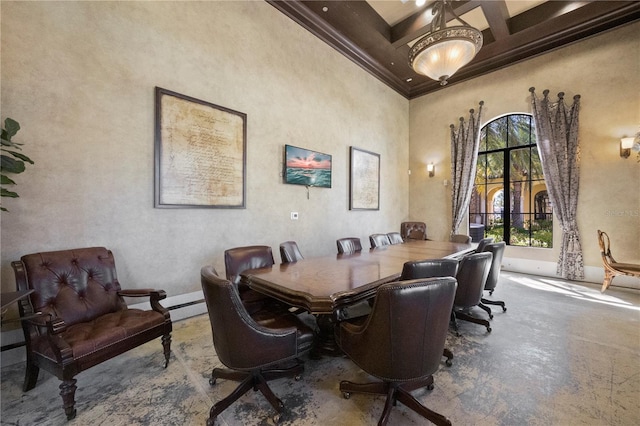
x=239, y=259
x=430, y=268
x=254, y=350
x=289, y=252
x=497, y=249
x=377, y=240
x=348, y=245
x=460, y=238
x=472, y=276
x=395, y=238
x=482, y=243
x=403, y=358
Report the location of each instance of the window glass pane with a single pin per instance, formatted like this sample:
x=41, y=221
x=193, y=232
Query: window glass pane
x=483, y=139
x=519, y=164
x=481, y=169
x=497, y=134
x=536, y=165
x=495, y=166
x=519, y=130
x=519, y=230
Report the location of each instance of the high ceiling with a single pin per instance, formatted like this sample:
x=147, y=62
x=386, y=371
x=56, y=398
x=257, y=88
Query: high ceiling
x=377, y=34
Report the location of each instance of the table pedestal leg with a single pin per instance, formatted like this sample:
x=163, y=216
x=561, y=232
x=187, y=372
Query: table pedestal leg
x=326, y=341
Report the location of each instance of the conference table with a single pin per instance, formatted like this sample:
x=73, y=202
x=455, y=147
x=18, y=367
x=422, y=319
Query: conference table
x=328, y=286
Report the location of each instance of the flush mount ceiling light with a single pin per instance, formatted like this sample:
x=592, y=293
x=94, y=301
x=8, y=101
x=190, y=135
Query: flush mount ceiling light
x=443, y=51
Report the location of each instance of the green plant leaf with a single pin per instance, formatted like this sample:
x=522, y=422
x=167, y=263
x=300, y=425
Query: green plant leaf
x=6, y=193
x=5, y=180
x=20, y=156
x=8, y=164
x=11, y=127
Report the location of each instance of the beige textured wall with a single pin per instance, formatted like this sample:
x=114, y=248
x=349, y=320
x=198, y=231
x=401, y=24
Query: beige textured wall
x=80, y=78
x=605, y=71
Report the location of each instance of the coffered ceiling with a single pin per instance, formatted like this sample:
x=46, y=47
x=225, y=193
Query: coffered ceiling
x=377, y=34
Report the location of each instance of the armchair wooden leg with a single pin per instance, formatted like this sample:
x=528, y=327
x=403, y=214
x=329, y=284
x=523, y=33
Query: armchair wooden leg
x=608, y=277
x=166, y=345
x=68, y=392
x=30, y=376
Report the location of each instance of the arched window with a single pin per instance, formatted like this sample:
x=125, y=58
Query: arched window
x=510, y=198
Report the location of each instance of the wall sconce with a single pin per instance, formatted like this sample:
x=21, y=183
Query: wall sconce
x=431, y=169
x=625, y=147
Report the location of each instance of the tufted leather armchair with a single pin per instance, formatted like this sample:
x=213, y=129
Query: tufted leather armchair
x=403, y=358
x=413, y=230
x=254, y=348
x=83, y=318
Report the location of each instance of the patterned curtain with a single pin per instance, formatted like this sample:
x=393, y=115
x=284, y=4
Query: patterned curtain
x=557, y=138
x=464, y=157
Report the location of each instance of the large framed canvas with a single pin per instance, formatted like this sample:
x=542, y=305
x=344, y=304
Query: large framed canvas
x=200, y=153
x=364, y=192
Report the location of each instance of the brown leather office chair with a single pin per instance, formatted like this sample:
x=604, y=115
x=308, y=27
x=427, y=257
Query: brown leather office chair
x=472, y=276
x=404, y=358
x=430, y=268
x=413, y=231
x=239, y=259
x=83, y=318
x=377, y=240
x=460, y=238
x=348, y=245
x=611, y=267
x=497, y=249
x=395, y=238
x=255, y=349
x=289, y=252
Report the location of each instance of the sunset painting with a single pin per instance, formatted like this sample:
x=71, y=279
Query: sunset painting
x=305, y=167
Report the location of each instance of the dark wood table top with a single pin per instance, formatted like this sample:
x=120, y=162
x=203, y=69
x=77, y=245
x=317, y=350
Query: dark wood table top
x=322, y=285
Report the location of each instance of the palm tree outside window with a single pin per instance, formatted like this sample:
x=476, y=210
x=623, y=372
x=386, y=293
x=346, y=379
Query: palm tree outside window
x=510, y=195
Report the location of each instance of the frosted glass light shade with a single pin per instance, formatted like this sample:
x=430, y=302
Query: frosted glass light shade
x=626, y=143
x=440, y=54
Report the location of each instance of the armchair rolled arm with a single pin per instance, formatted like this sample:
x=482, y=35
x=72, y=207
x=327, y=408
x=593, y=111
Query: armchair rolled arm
x=155, y=296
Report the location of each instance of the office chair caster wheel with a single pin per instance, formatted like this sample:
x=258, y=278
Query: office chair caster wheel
x=276, y=418
x=297, y=377
x=488, y=329
x=212, y=381
x=280, y=406
x=448, y=362
x=504, y=309
x=346, y=395
x=431, y=387
x=490, y=316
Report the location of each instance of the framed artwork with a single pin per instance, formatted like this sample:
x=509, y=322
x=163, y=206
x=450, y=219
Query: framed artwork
x=306, y=167
x=200, y=153
x=364, y=191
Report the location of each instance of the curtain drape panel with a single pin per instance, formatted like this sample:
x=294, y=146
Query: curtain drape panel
x=464, y=157
x=557, y=138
